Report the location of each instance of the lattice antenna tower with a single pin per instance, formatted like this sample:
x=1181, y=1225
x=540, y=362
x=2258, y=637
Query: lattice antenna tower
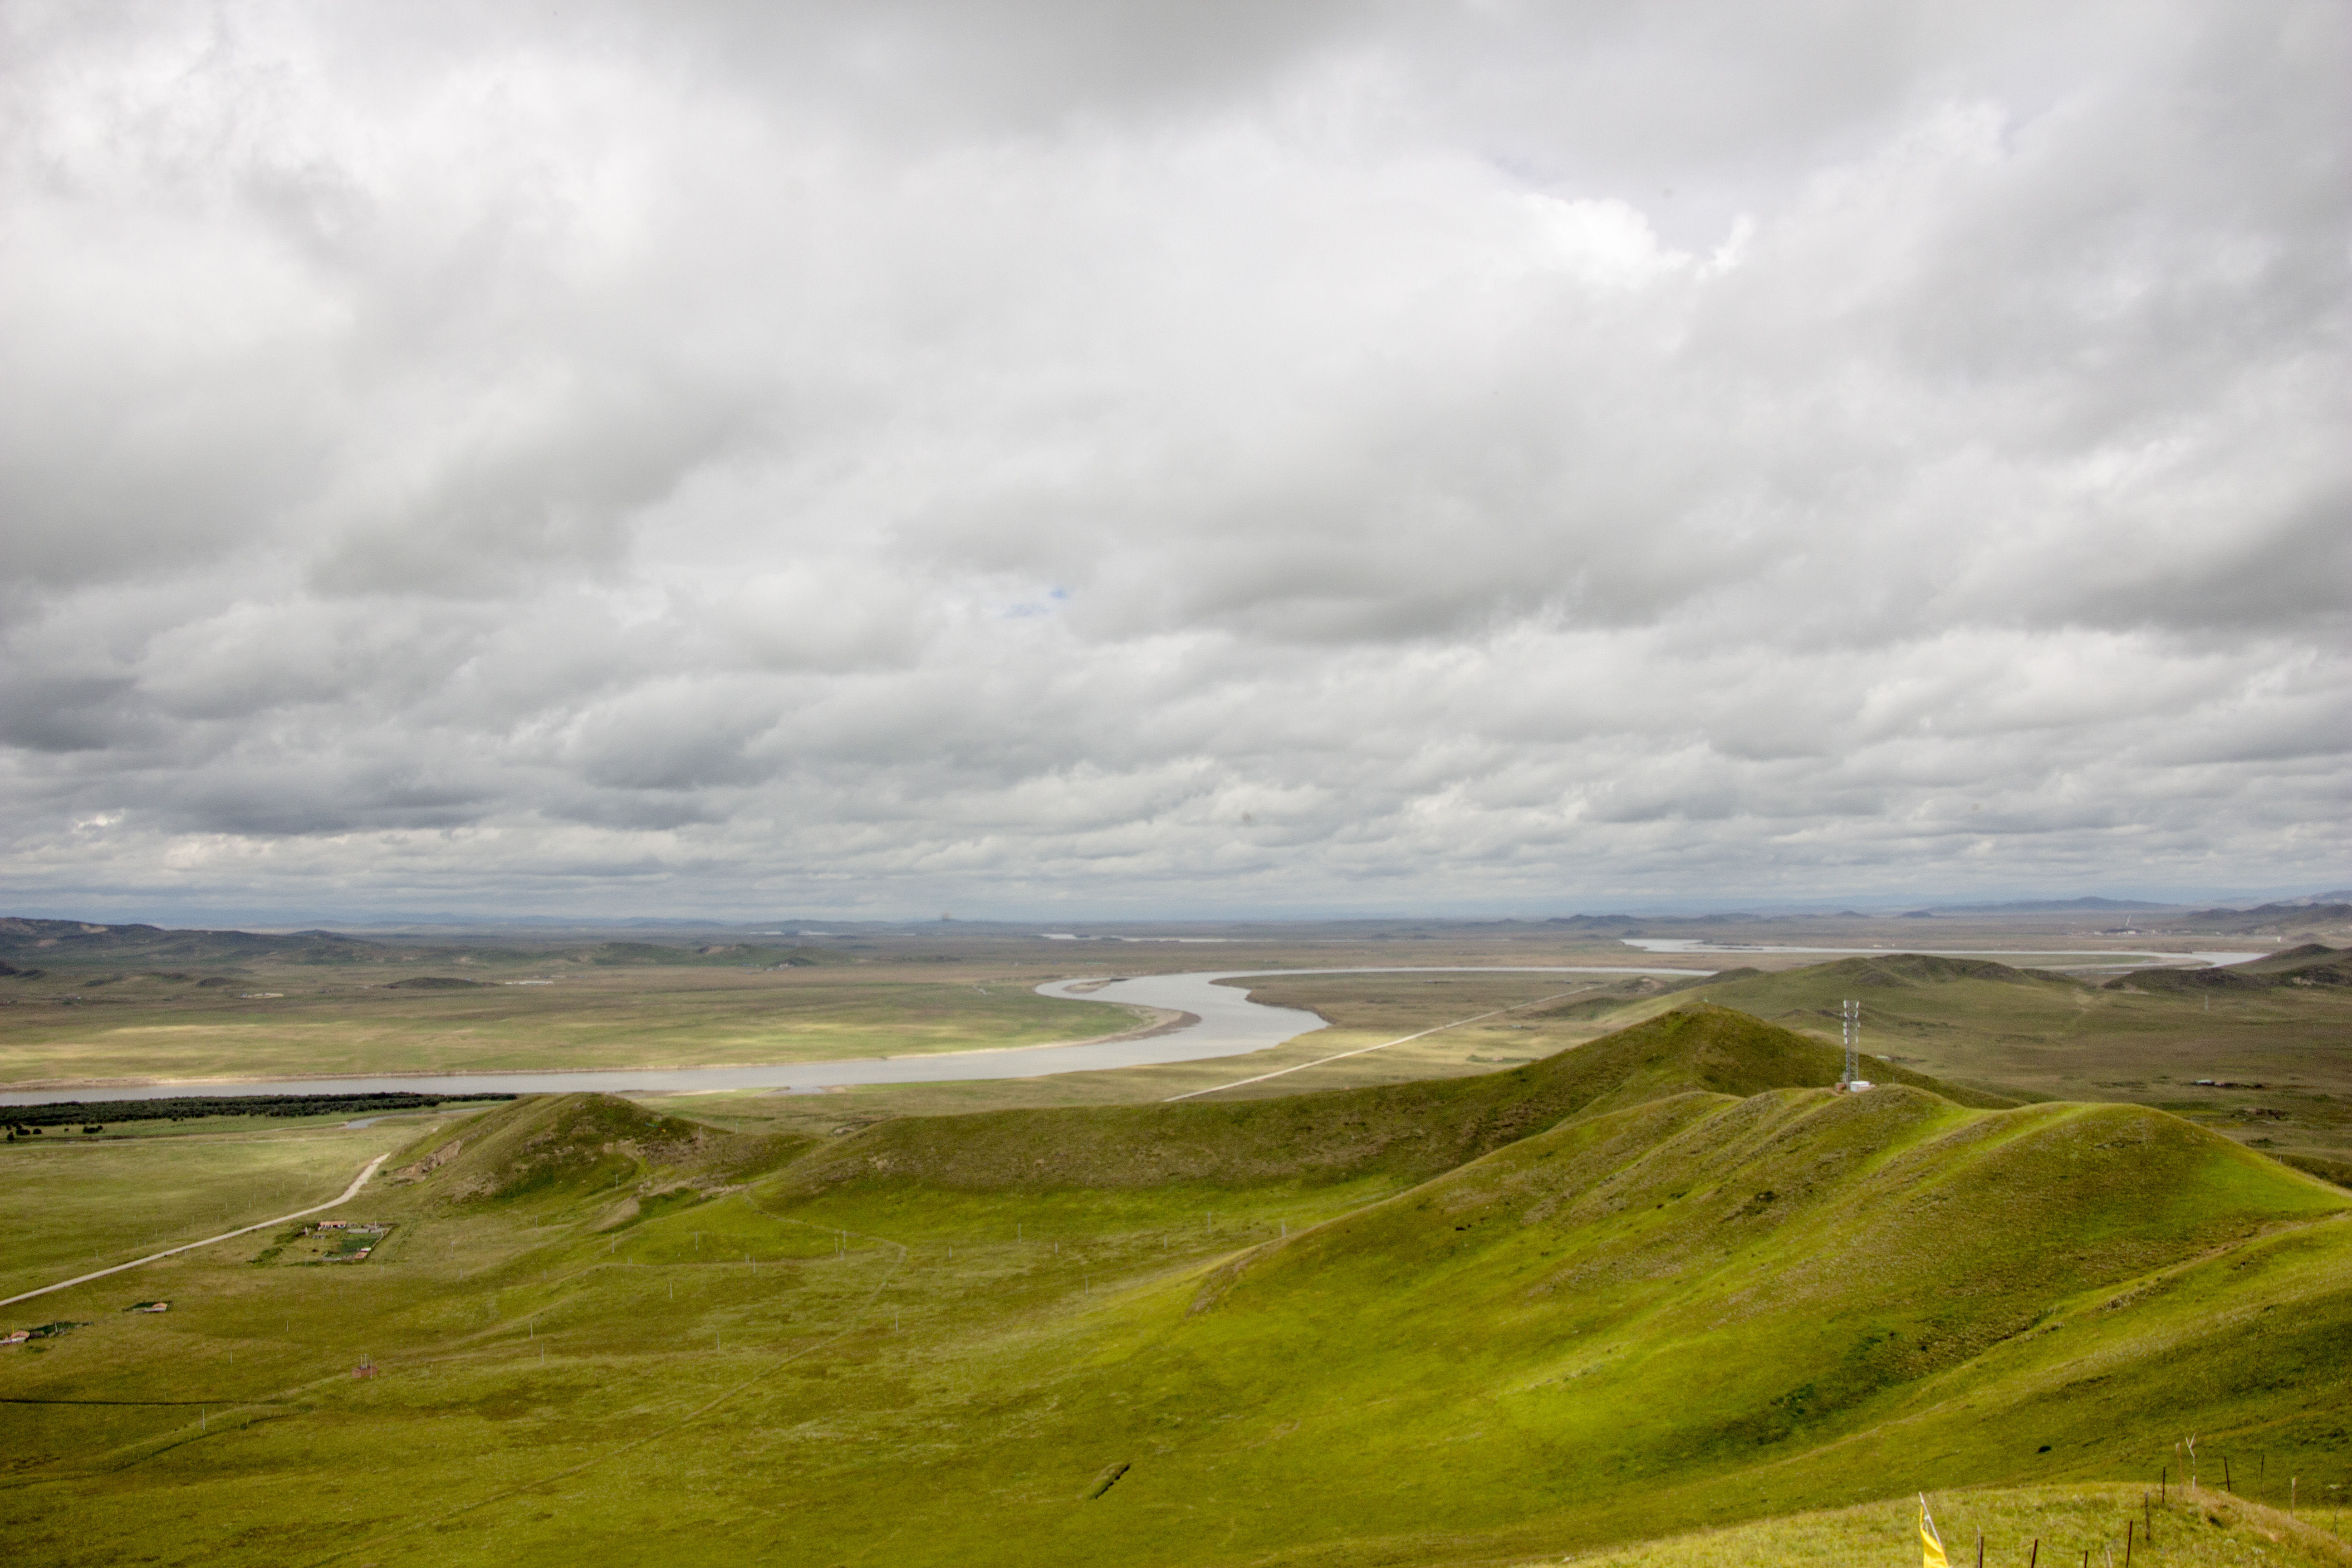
x=1851, y=1016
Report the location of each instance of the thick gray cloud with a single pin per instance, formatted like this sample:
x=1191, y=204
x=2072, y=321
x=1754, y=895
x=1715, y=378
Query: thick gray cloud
x=1024, y=457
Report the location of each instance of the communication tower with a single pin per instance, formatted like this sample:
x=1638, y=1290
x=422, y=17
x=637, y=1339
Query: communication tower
x=1850, y=1016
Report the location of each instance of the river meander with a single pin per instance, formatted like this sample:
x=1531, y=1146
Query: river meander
x=1225, y=1022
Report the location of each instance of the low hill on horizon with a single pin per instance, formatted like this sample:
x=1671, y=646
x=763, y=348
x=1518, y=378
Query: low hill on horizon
x=79, y=942
x=76, y=943
x=2312, y=963
x=2264, y=919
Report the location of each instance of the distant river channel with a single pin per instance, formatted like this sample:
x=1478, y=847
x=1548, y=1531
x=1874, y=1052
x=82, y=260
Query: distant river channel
x=1224, y=1023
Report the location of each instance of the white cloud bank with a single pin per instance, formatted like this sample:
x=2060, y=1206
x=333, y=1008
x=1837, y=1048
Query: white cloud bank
x=1021, y=456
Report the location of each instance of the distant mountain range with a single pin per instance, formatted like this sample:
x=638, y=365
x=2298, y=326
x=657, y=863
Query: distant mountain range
x=67, y=940
x=85, y=942
x=538, y=939
x=2041, y=906
x=2280, y=917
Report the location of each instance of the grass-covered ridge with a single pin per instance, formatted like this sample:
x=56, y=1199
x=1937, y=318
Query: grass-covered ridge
x=576, y=1146
x=1408, y=1130
x=1694, y=1303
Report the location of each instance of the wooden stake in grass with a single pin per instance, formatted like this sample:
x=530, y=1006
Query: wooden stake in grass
x=2129, y=1525
x=2225, y=1477
x=2037, y=1554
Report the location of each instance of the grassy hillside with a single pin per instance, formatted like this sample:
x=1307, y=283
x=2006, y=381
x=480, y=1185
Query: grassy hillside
x=1409, y=1131
x=2253, y=1053
x=1671, y=1288
x=2208, y=1529
x=584, y=1147
x=1702, y=1303
x=2310, y=964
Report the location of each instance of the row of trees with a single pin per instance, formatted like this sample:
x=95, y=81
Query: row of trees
x=93, y=1115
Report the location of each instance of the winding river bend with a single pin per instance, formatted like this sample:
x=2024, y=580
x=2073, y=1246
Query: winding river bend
x=1225, y=1023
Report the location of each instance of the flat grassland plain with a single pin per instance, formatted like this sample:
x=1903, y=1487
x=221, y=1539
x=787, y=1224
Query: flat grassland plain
x=282, y=1021
x=1540, y=1285
x=136, y=1010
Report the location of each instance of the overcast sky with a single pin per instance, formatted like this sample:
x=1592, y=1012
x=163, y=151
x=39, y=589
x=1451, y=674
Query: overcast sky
x=1033, y=457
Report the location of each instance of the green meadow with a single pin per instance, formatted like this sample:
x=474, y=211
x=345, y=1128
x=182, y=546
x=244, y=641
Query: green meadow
x=1658, y=1298
x=70, y=1204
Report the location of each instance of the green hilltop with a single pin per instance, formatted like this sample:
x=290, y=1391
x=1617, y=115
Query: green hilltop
x=1666, y=1281
x=566, y=1149
x=2276, y=1025
x=1409, y=1131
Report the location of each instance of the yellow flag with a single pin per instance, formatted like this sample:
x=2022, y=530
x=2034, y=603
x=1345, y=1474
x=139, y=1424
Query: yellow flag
x=1931, y=1545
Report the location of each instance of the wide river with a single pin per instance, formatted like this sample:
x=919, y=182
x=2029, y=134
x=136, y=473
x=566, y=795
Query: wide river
x=1227, y=1022
x=1228, y=1025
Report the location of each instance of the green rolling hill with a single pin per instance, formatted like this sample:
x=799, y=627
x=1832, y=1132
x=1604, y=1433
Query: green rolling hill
x=1408, y=1130
x=1664, y=1282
